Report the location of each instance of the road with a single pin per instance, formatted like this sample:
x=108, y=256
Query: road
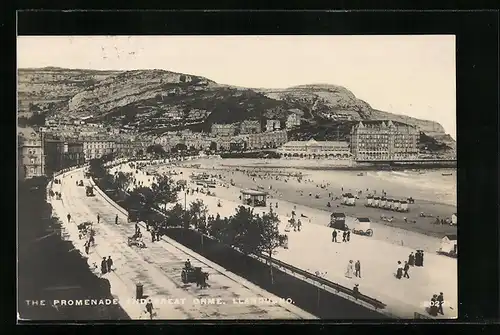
x=158, y=267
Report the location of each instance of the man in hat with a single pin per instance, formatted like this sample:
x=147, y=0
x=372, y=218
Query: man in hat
x=109, y=263
x=344, y=236
x=357, y=268
x=405, y=269
x=334, y=236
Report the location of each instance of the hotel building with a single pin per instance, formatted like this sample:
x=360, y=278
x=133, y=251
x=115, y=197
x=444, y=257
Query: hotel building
x=384, y=140
x=315, y=149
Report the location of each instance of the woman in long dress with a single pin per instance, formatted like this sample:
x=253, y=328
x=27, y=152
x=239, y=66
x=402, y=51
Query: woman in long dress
x=350, y=270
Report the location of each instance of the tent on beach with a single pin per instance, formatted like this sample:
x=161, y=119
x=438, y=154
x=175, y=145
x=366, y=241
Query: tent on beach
x=449, y=245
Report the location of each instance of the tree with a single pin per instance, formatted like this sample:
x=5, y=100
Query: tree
x=164, y=190
x=140, y=198
x=156, y=149
x=213, y=146
x=243, y=231
x=217, y=228
x=122, y=180
x=175, y=216
x=270, y=237
x=97, y=169
x=198, y=215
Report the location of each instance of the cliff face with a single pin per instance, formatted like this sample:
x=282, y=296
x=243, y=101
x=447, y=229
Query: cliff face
x=146, y=97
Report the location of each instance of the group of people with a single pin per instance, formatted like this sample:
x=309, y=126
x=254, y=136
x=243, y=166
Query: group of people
x=106, y=265
x=402, y=270
x=416, y=259
x=436, y=304
x=346, y=236
x=353, y=268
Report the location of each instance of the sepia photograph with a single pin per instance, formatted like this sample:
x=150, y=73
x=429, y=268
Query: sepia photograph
x=277, y=177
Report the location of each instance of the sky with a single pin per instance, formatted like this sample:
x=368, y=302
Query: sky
x=412, y=75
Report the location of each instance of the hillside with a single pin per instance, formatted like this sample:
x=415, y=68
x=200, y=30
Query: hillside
x=159, y=99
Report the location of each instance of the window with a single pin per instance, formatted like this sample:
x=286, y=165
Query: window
x=33, y=160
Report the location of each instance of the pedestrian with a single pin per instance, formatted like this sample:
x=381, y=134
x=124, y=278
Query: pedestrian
x=357, y=267
x=87, y=247
x=349, y=271
x=440, y=303
x=149, y=309
x=334, y=236
x=98, y=218
x=411, y=259
x=69, y=217
x=406, y=268
x=109, y=263
x=136, y=227
x=399, y=271
x=91, y=239
x=116, y=219
x=433, y=310
x=104, y=266
x=348, y=235
x=158, y=234
x=152, y=235
x=344, y=236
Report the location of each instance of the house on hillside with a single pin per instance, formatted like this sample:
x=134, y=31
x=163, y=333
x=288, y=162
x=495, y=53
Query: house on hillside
x=294, y=118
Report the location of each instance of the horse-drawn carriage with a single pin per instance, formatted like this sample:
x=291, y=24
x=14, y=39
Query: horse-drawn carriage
x=89, y=191
x=191, y=274
x=136, y=241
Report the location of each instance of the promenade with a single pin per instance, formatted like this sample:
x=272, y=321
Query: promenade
x=158, y=267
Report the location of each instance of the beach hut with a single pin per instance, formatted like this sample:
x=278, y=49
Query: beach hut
x=449, y=245
x=454, y=219
x=388, y=204
x=254, y=198
x=351, y=200
x=343, y=201
x=396, y=205
x=337, y=221
x=404, y=206
x=382, y=203
x=369, y=201
x=376, y=202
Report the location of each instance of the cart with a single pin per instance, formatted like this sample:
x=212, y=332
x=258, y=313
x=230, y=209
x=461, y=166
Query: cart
x=136, y=241
x=362, y=227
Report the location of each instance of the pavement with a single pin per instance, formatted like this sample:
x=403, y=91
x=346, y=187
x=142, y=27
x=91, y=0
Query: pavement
x=158, y=267
x=378, y=258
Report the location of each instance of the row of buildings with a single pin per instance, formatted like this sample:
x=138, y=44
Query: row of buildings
x=369, y=141
x=222, y=142
x=41, y=153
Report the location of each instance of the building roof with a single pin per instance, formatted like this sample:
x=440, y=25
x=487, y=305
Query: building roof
x=313, y=142
x=253, y=192
x=338, y=215
x=451, y=237
x=363, y=219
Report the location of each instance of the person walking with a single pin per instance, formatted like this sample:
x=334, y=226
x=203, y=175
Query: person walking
x=440, y=303
x=98, y=218
x=104, y=266
x=334, y=236
x=87, y=247
x=349, y=271
x=348, y=235
x=69, y=217
x=152, y=235
x=357, y=267
x=399, y=271
x=109, y=263
x=411, y=259
x=116, y=219
x=149, y=309
x=405, y=269
x=344, y=236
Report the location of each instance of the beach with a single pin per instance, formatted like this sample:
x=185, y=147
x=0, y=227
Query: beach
x=230, y=178
x=434, y=193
